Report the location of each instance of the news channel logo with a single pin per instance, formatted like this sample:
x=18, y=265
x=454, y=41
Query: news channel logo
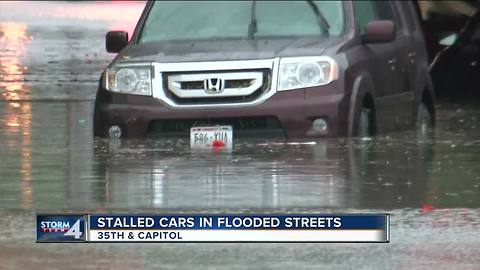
x=61, y=228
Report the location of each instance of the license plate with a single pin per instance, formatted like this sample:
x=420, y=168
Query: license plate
x=208, y=137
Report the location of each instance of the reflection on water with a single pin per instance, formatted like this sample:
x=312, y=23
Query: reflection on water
x=52, y=162
x=18, y=128
x=331, y=174
x=13, y=44
x=26, y=156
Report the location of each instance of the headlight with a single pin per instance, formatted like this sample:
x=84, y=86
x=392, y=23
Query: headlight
x=299, y=72
x=134, y=79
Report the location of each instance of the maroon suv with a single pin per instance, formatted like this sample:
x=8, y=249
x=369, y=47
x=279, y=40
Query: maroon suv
x=267, y=68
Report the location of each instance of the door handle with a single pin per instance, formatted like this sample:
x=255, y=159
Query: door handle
x=411, y=57
x=392, y=61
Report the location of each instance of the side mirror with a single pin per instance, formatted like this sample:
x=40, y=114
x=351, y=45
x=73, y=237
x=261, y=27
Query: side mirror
x=115, y=41
x=380, y=31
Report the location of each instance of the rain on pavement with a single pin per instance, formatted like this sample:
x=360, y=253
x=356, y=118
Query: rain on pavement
x=51, y=56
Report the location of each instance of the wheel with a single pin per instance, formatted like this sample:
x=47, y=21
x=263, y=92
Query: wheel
x=424, y=123
x=364, y=129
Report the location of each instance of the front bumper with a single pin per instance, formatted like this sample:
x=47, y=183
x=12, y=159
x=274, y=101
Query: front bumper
x=294, y=109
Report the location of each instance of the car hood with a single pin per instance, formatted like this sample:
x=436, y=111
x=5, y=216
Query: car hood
x=225, y=50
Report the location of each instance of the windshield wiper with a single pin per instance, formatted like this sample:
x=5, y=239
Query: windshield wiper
x=320, y=17
x=252, y=27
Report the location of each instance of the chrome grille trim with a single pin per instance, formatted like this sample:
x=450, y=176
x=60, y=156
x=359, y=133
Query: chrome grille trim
x=174, y=83
x=243, y=66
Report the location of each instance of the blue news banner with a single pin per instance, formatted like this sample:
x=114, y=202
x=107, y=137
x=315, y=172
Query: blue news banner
x=364, y=228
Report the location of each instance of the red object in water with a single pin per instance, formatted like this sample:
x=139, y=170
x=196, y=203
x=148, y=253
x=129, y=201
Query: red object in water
x=427, y=208
x=218, y=144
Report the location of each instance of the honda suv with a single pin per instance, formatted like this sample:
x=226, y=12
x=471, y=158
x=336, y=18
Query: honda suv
x=293, y=69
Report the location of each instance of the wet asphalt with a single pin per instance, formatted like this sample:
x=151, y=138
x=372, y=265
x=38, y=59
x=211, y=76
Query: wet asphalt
x=51, y=56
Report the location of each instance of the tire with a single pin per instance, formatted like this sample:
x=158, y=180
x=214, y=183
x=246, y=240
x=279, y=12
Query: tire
x=97, y=123
x=364, y=129
x=424, y=122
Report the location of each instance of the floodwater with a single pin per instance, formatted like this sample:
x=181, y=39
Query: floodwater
x=51, y=56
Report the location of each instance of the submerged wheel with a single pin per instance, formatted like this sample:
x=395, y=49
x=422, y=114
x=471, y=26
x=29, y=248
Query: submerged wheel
x=424, y=122
x=364, y=129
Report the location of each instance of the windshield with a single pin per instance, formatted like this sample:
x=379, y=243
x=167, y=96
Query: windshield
x=200, y=20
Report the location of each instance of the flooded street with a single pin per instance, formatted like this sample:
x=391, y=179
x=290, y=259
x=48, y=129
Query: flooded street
x=51, y=57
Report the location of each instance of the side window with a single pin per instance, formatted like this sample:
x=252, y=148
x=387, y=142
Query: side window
x=364, y=13
x=367, y=11
x=385, y=10
x=410, y=12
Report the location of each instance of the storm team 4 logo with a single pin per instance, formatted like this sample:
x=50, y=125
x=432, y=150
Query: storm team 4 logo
x=62, y=226
x=53, y=228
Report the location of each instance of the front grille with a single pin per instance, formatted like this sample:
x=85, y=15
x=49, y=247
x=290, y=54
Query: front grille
x=240, y=86
x=199, y=85
x=238, y=83
x=192, y=85
x=260, y=127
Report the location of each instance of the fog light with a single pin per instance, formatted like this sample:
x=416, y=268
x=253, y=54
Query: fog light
x=320, y=125
x=115, y=132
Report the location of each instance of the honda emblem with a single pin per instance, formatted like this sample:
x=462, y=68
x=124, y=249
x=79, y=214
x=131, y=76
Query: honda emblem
x=213, y=85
